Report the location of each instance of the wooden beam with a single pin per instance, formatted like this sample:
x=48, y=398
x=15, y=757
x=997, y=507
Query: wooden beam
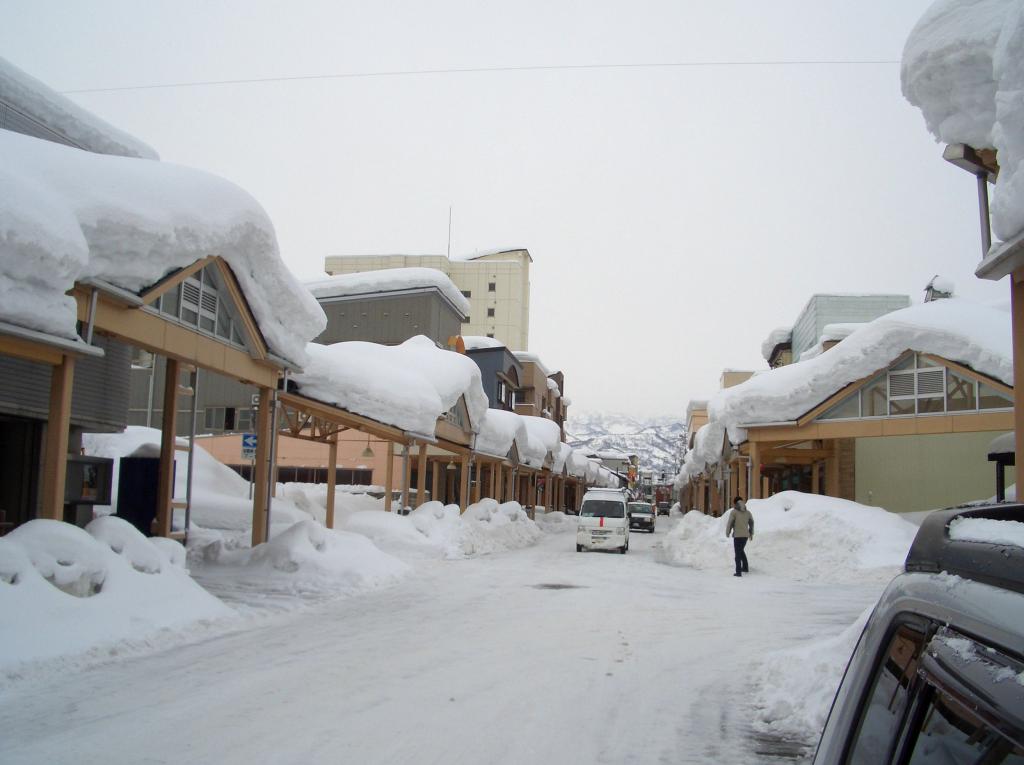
x=332, y=480
x=55, y=453
x=389, y=476
x=464, y=484
x=262, y=471
x=20, y=348
x=421, y=476
x=174, y=279
x=815, y=477
x=832, y=471
x=343, y=417
x=168, y=431
x=436, y=489
x=477, y=482
x=755, y=470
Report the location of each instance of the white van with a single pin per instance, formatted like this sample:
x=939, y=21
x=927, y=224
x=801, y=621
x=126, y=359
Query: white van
x=603, y=523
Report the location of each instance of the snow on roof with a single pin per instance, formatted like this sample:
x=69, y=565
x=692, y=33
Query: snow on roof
x=775, y=338
x=545, y=437
x=553, y=387
x=67, y=215
x=389, y=280
x=972, y=334
x=499, y=430
x=487, y=253
x=942, y=284
x=61, y=115
x=577, y=463
x=561, y=457
x=476, y=342
x=527, y=357
x=408, y=385
x=696, y=404
x=831, y=333
x=963, y=67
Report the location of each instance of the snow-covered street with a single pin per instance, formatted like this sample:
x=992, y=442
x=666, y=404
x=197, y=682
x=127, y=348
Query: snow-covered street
x=538, y=655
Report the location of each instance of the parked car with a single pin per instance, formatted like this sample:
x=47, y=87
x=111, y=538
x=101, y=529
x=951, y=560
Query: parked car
x=663, y=508
x=603, y=523
x=641, y=516
x=938, y=672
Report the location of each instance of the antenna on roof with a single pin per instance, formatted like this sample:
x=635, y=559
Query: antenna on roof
x=449, y=232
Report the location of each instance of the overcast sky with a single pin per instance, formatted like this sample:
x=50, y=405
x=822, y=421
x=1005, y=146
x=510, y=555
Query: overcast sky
x=675, y=214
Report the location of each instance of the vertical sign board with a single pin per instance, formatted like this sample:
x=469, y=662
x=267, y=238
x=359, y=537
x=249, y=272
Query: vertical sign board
x=248, y=446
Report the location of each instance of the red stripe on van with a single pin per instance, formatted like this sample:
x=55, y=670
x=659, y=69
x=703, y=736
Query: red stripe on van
x=602, y=521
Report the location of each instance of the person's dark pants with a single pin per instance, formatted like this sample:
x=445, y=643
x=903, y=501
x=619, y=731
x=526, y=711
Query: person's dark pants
x=738, y=544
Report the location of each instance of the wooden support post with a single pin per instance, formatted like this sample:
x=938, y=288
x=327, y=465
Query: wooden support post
x=389, y=476
x=406, y=475
x=259, y=495
x=832, y=471
x=168, y=428
x=1017, y=308
x=55, y=454
x=815, y=477
x=421, y=476
x=464, y=483
x=744, y=485
x=332, y=479
x=478, y=481
x=436, y=489
x=755, y=470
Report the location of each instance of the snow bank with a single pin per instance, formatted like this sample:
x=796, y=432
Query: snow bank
x=805, y=537
x=68, y=215
x=305, y=559
x=408, y=385
x=987, y=530
x=556, y=522
x=973, y=334
x=65, y=590
x=486, y=527
x=793, y=689
x=963, y=66
x=64, y=116
x=389, y=280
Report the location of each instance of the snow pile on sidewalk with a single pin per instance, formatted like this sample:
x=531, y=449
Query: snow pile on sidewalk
x=486, y=527
x=963, y=66
x=220, y=497
x=556, y=522
x=65, y=590
x=793, y=689
x=408, y=385
x=305, y=559
x=805, y=537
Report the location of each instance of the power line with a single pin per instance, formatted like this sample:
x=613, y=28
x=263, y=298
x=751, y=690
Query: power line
x=483, y=70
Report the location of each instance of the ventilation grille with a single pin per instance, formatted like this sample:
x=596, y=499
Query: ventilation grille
x=931, y=382
x=901, y=384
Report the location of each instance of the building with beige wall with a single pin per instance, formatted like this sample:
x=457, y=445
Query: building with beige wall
x=497, y=285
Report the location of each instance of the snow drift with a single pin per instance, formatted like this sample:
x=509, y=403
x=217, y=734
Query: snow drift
x=805, y=537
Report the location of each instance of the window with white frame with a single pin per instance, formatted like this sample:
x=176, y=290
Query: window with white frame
x=916, y=385
x=201, y=303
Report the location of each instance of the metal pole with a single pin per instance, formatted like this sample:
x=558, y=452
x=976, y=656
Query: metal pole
x=191, y=450
x=985, y=221
x=405, y=477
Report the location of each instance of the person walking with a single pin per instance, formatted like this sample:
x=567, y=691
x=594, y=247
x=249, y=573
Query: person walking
x=741, y=528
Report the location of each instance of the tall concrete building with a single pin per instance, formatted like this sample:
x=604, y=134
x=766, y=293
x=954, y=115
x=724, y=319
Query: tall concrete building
x=497, y=285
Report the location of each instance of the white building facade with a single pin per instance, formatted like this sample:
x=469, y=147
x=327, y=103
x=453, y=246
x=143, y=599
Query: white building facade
x=497, y=285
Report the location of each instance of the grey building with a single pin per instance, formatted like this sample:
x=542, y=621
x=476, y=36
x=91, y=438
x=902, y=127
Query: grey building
x=391, y=318
x=501, y=374
x=834, y=309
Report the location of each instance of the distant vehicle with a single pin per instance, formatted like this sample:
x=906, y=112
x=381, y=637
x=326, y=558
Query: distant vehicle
x=641, y=516
x=663, y=508
x=603, y=523
x=936, y=674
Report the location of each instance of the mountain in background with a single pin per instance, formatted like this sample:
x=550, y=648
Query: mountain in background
x=655, y=439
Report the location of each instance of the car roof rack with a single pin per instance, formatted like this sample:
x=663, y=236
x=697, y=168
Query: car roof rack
x=1000, y=565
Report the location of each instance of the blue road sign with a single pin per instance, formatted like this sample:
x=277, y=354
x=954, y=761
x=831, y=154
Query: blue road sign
x=249, y=442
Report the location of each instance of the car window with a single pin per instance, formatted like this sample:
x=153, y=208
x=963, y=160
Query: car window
x=602, y=508
x=639, y=507
x=886, y=705
x=950, y=734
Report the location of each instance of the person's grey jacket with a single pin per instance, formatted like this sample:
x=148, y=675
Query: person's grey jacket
x=741, y=522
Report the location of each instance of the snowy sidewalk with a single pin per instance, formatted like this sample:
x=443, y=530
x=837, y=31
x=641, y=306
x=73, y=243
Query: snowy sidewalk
x=532, y=656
